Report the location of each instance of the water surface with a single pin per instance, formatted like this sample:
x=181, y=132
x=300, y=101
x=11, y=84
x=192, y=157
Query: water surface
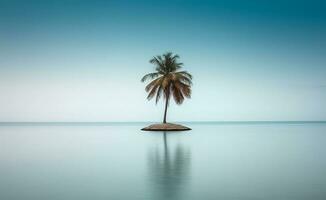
x=118, y=161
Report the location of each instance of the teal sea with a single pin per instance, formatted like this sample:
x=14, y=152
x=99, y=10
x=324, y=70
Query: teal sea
x=113, y=161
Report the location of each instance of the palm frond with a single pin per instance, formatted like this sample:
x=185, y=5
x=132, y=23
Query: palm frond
x=167, y=55
x=184, y=79
x=152, y=92
x=150, y=76
x=185, y=73
x=157, y=61
x=159, y=93
x=177, y=95
x=183, y=88
x=153, y=83
x=175, y=57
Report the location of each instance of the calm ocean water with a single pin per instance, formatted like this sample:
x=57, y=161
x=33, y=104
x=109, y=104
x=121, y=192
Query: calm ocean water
x=268, y=161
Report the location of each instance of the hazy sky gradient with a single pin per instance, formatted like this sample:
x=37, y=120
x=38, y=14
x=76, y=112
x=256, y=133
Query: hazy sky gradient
x=83, y=60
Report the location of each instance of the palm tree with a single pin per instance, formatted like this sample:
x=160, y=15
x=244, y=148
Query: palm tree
x=168, y=81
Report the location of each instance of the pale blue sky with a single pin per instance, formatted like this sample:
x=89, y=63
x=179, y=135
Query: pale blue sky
x=83, y=60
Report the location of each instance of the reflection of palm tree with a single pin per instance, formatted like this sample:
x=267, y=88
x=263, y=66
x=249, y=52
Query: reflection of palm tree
x=169, y=173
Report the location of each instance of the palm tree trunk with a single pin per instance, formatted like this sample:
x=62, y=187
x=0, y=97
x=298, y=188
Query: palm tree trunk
x=166, y=108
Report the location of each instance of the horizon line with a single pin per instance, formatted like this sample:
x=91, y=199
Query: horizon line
x=22, y=123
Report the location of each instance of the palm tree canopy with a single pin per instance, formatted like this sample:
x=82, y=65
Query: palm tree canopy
x=167, y=80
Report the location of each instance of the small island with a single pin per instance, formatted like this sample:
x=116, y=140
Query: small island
x=166, y=127
x=168, y=81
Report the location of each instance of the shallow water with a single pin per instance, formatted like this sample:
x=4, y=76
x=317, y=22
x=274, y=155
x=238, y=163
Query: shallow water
x=118, y=161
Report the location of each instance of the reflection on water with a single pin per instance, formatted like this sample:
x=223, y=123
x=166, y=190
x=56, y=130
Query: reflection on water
x=169, y=169
x=232, y=161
